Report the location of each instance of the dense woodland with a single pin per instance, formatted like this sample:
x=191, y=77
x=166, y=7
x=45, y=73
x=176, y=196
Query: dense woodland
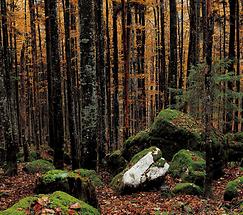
x=80, y=79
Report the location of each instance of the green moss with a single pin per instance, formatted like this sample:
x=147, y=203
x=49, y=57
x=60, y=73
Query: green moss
x=232, y=188
x=91, y=174
x=57, y=200
x=38, y=166
x=53, y=175
x=116, y=162
x=20, y=207
x=178, y=119
x=69, y=182
x=187, y=188
x=169, y=114
x=141, y=154
x=159, y=163
x=32, y=156
x=171, y=131
x=64, y=200
x=189, y=166
x=116, y=181
x=142, y=136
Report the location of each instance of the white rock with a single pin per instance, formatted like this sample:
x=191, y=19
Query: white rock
x=143, y=170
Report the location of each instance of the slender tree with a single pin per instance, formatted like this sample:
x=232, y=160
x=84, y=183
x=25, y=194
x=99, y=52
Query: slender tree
x=229, y=115
x=172, y=77
x=56, y=90
x=89, y=100
x=70, y=93
x=7, y=109
x=208, y=99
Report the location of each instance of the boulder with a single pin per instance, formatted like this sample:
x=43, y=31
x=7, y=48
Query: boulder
x=32, y=156
x=146, y=169
x=233, y=189
x=187, y=189
x=189, y=166
x=41, y=166
x=91, y=174
x=116, y=162
x=234, y=147
x=69, y=182
x=171, y=131
x=56, y=203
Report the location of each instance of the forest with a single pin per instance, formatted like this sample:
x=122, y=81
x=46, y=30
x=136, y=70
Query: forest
x=121, y=107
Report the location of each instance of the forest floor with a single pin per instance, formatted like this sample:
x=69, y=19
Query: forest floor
x=13, y=189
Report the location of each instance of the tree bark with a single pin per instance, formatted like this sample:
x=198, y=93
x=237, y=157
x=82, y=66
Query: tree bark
x=89, y=100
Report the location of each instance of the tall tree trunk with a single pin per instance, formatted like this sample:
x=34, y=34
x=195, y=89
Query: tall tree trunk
x=115, y=77
x=208, y=99
x=7, y=107
x=49, y=75
x=172, y=78
x=109, y=136
x=89, y=100
x=70, y=93
x=35, y=73
x=229, y=115
x=237, y=102
x=56, y=91
x=101, y=80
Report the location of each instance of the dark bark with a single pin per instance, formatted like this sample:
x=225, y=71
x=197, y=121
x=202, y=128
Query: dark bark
x=229, y=114
x=101, y=79
x=109, y=136
x=7, y=108
x=70, y=93
x=89, y=100
x=208, y=100
x=56, y=92
x=172, y=78
x=115, y=78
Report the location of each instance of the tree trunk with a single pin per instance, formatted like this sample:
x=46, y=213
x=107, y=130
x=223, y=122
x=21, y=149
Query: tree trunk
x=6, y=104
x=229, y=115
x=56, y=91
x=172, y=78
x=89, y=100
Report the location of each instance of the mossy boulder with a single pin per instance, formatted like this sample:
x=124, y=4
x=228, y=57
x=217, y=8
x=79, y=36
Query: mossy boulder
x=56, y=203
x=32, y=156
x=187, y=189
x=41, y=166
x=91, y=174
x=116, y=162
x=146, y=170
x=69, y=182
x=234, y=146
x=233, y=189
x=171, y=131
x=189, y=166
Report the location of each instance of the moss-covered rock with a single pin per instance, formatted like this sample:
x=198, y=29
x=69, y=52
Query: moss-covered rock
x=234, y=146
x=189, y=166
x=187, y=189
x=32, y=156
x=171, y=131
x=145, y=170
x=233, y=189
x=56, y=203
x=116, y=162
x=69, y=182
x=38, y=166
x=91, y=174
